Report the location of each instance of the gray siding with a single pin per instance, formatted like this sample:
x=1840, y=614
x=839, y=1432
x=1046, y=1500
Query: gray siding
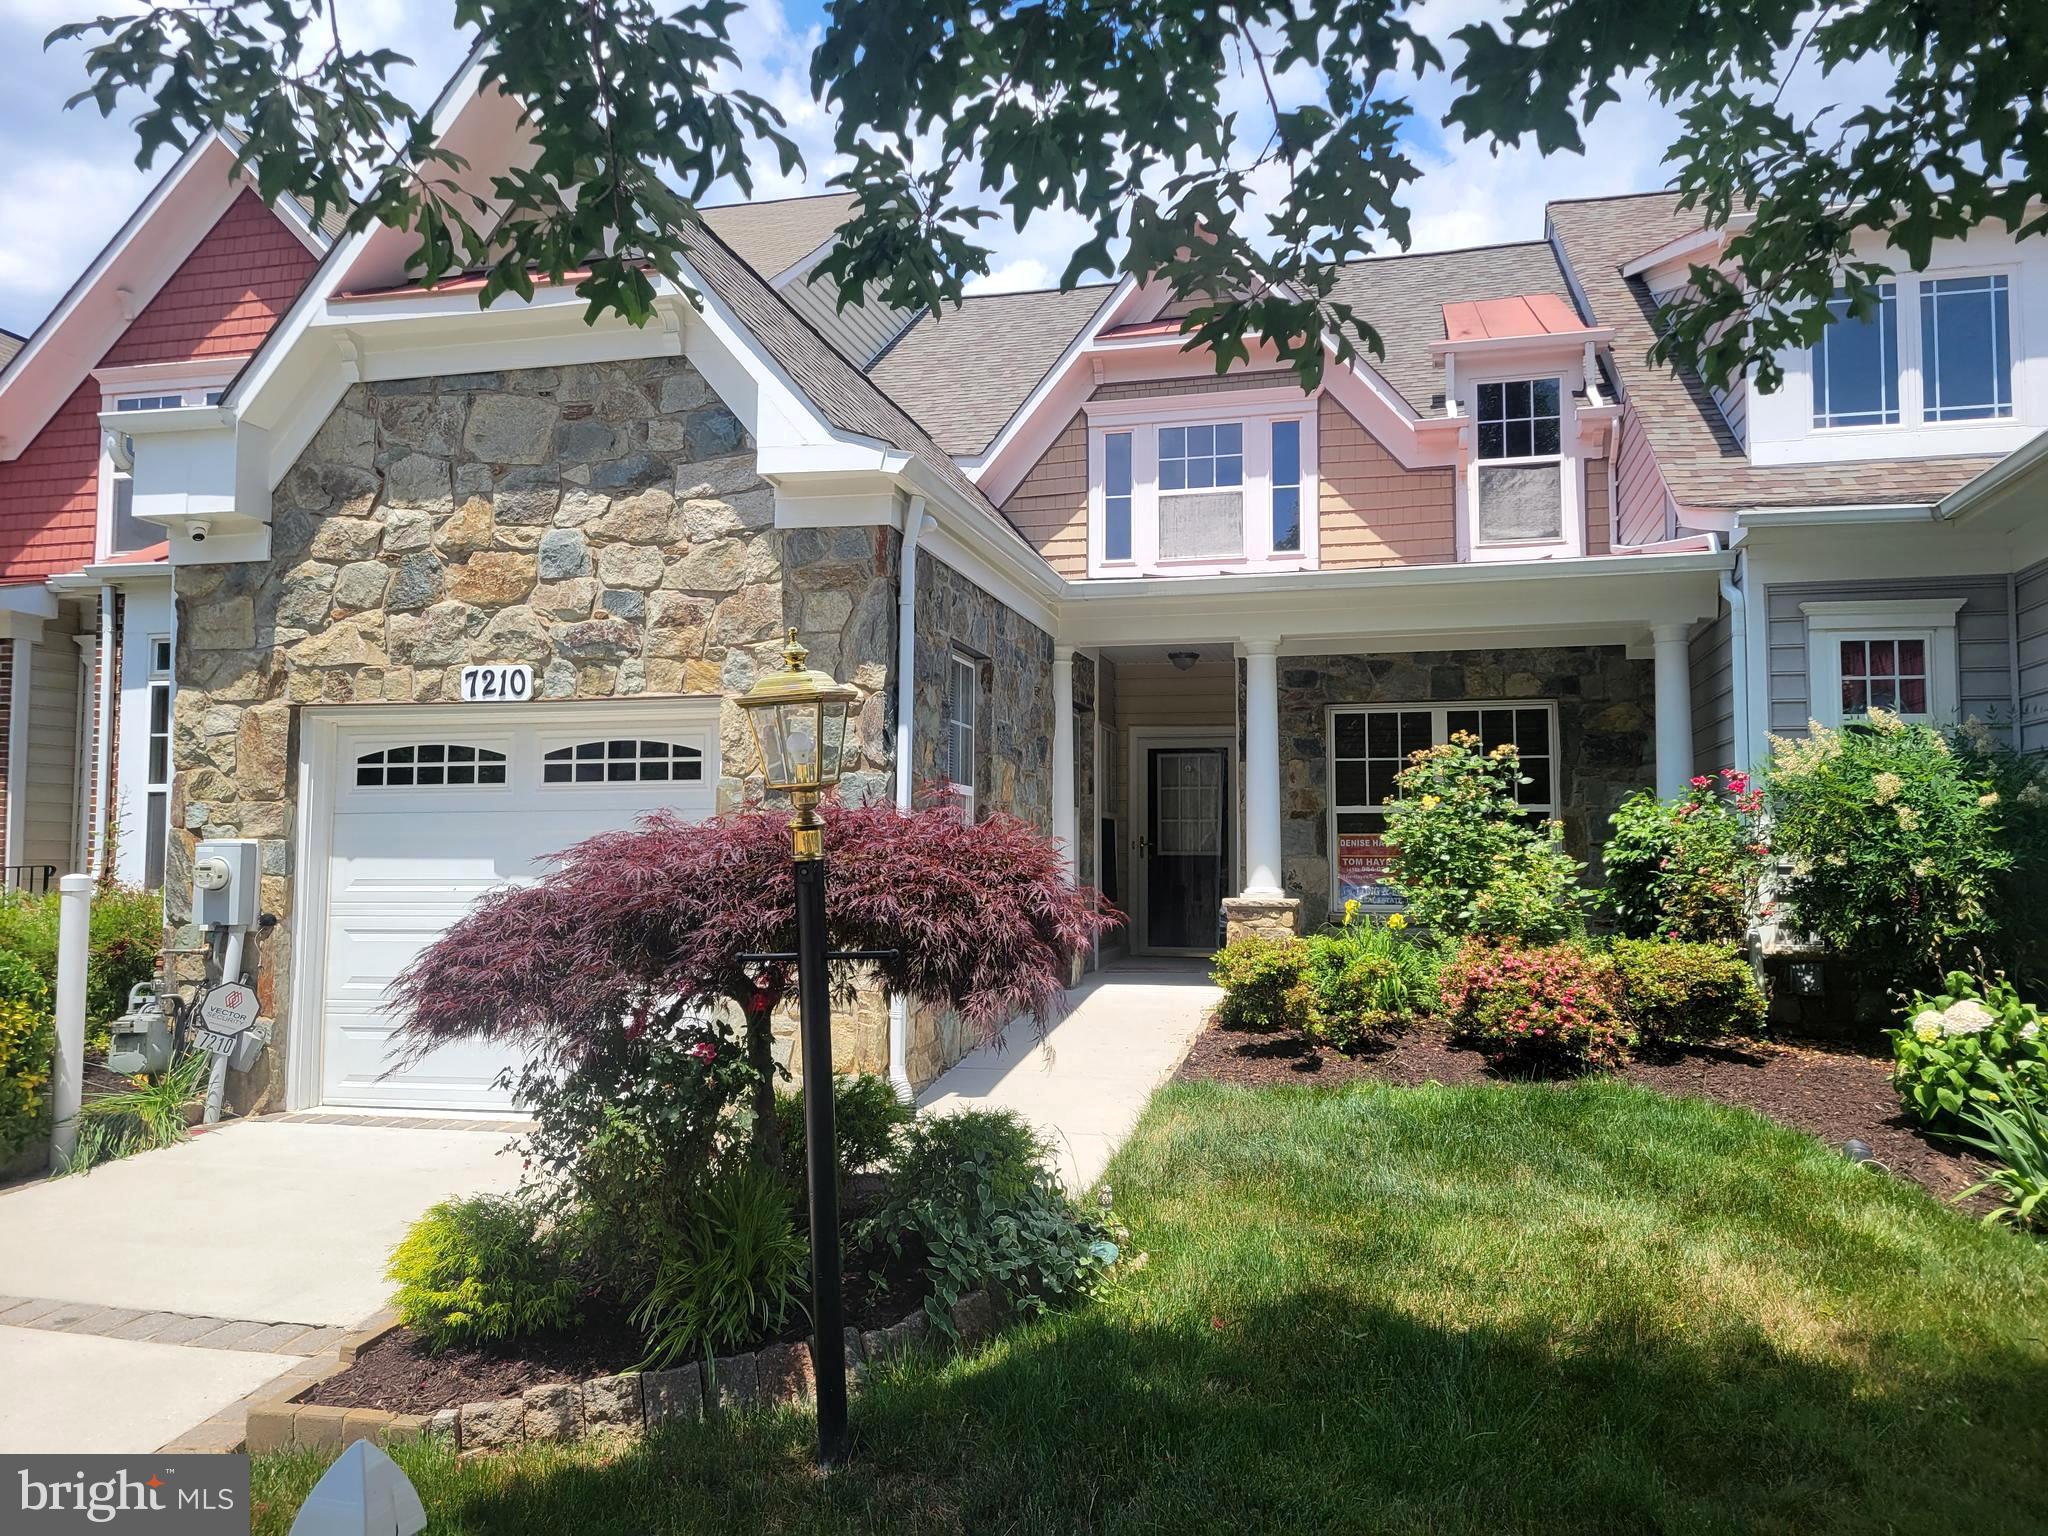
x=1713, y=697
x=1983, y=642
x=859, y=331
x=48, y=817
x=2031, y=626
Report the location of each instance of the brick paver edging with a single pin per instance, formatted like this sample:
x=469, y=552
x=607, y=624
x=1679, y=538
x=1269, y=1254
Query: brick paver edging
x=137, y=1325
x=607, y=1405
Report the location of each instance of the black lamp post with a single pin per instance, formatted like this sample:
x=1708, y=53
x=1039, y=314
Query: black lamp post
x=799, y=721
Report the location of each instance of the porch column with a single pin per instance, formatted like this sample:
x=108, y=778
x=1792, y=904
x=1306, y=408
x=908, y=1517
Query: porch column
x=1674, y=706
x=1262, y=768
x=1063, y=827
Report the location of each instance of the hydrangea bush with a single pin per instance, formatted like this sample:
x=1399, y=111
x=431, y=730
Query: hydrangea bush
x=1892, y=843
x=1958, y=1043
x=1553, y=1009
x=1688, y=868
x=1467, y=860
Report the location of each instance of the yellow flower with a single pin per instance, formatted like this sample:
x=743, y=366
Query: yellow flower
x=1351, y=911
x=1397, y=920
x=1927, y=1026
x=1431, y=802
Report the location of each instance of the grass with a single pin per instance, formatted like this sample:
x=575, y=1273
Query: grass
x=1440, y=1310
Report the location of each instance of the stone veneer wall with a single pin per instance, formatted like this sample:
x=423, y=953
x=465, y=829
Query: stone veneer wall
x=602, y=522
x=1605, y=725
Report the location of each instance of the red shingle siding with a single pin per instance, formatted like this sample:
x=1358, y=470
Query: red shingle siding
x=227, y=295
x=221, y=302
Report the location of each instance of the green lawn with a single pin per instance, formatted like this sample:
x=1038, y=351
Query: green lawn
x=1428, y=1310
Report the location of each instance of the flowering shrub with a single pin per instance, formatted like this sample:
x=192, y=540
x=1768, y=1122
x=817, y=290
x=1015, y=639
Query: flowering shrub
x=1676, y=993
x=1369, y=978
x=1893, y=843
x=1957, y=1043
x=1467, y=861
x=1687, y=868
x=1553, y=1009
x=2019, y=893
x=1265, y=984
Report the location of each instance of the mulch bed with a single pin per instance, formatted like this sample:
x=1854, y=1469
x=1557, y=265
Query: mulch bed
x=398, y=1375
x=1832, y=1090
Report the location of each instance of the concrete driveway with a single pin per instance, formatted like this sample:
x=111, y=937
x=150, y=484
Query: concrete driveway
x=155, y=1293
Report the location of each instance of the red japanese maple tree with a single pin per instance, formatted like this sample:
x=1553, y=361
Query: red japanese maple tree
x=652, y=923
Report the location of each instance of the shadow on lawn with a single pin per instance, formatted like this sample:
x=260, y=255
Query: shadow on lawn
x=1316, y=1415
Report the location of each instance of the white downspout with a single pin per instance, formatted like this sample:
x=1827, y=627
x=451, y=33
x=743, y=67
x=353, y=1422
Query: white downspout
x=95, y=859
x=915, y=522
x=1738, y=656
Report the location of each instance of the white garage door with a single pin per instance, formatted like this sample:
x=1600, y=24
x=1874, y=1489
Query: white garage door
x=433, y=807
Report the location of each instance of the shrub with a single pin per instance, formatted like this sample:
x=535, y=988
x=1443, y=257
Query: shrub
x=1550, y=1009
x=731, y=1271
x=144, y=1118
x=2018, y=942
x=2014, y=1131
x=1467, y=860
x=1368, y=979
x=1265, y=984
x=28, y=1041
x=126, y=935
x=867, y=1116
x=1687, y=868
x=1675, y=993
x=1892, y=842
x=1974, y=1042
x=480, y=1271
x=974, y=1205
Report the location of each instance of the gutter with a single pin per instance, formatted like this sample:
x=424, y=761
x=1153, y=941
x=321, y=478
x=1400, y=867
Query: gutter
x=1737, y=599
x=915, y=521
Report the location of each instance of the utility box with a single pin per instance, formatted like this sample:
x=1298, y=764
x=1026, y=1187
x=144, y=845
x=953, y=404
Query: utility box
x=224, y=883
x=142, y=1037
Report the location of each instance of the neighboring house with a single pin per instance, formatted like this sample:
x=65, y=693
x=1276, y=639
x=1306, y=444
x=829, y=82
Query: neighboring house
x=1190, y=624
x=152, y=331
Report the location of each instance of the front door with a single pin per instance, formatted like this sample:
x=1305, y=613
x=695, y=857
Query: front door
x=1187, y=838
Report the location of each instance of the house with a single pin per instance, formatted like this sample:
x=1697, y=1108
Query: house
x=150, y=333
x=1191, y=624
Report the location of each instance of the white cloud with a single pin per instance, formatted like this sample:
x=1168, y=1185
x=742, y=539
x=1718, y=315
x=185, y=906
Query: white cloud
x=1013, y=277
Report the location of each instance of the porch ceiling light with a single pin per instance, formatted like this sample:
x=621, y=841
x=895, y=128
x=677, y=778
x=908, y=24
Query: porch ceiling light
x=1182, y=660
x=799, y=720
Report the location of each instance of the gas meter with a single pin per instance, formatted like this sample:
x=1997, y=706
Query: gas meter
x=142, y=1035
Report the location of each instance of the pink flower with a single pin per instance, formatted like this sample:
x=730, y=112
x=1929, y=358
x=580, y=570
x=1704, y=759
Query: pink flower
x=1702, y=781
x=704, y=1050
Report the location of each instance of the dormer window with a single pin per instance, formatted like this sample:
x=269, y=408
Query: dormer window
x=1521, y=498
x=1856, y=365
x=1179, y=488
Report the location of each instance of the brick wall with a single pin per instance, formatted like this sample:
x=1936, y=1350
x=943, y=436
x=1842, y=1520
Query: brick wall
x=1373, y=511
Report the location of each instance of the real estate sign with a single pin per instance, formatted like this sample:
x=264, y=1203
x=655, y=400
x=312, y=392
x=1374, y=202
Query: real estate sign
x=1363, y=863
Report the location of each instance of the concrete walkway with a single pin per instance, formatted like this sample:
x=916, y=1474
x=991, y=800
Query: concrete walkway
x=1130, y=1026
x=154, y=1293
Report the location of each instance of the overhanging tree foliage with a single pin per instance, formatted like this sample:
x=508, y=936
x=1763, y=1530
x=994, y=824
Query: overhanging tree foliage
x=1121, y=113
x=636, y=929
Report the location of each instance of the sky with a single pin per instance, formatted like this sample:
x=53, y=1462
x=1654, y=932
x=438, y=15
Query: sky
x=68, y=178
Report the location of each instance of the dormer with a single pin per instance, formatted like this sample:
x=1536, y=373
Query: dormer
x=1525, y=409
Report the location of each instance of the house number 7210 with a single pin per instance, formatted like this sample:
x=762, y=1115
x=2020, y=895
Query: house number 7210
x=497, y=683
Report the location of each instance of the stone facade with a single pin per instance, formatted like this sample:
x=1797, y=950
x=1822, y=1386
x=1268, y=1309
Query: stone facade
x=603, y=523
x=1606, y=735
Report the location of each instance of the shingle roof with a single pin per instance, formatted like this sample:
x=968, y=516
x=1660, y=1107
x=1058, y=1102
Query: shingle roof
x=1402, y=298
x=963, y=372
x=842, y=394
x=773, y=237
x=1702, y=462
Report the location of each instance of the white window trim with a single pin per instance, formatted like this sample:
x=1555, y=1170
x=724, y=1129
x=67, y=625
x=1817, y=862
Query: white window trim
x=191, y=379
x=1907, y=289
x=1574, y=448
x=1439, y=732
x=1257, y=410
x=1933, y=621
x=958, y=662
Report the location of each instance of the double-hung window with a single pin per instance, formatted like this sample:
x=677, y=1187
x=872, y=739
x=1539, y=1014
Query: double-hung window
x=1201, y=491
x=157, y=785
x=1521, y=464
x=963, y=702
x=1965, y=348
x=1856, y=364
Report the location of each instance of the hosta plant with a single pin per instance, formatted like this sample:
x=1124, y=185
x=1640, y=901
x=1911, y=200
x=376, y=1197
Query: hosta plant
x=1975, y=1042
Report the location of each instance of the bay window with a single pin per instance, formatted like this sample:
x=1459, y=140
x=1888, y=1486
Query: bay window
x=1184, y=489
x=1521, y=465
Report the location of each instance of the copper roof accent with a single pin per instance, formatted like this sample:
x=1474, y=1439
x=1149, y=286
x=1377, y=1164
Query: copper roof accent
x=774, y=236
x=1521, y=315
x=1702, y=462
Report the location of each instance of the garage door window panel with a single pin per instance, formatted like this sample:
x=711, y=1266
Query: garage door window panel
x=430, y=765
x=623, y=761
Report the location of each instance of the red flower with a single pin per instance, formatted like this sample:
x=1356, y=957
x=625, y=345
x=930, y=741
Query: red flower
x=705, y=1050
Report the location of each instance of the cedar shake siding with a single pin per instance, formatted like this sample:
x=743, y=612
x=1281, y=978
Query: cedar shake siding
x=1373, y=511
x=1050, y=506
x=49, y=497
x=1599, y=510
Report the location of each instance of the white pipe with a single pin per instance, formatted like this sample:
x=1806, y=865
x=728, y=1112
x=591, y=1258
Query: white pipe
x=915, y=522
x=1738, y=662
x=67, y=1074
x=104, y=737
